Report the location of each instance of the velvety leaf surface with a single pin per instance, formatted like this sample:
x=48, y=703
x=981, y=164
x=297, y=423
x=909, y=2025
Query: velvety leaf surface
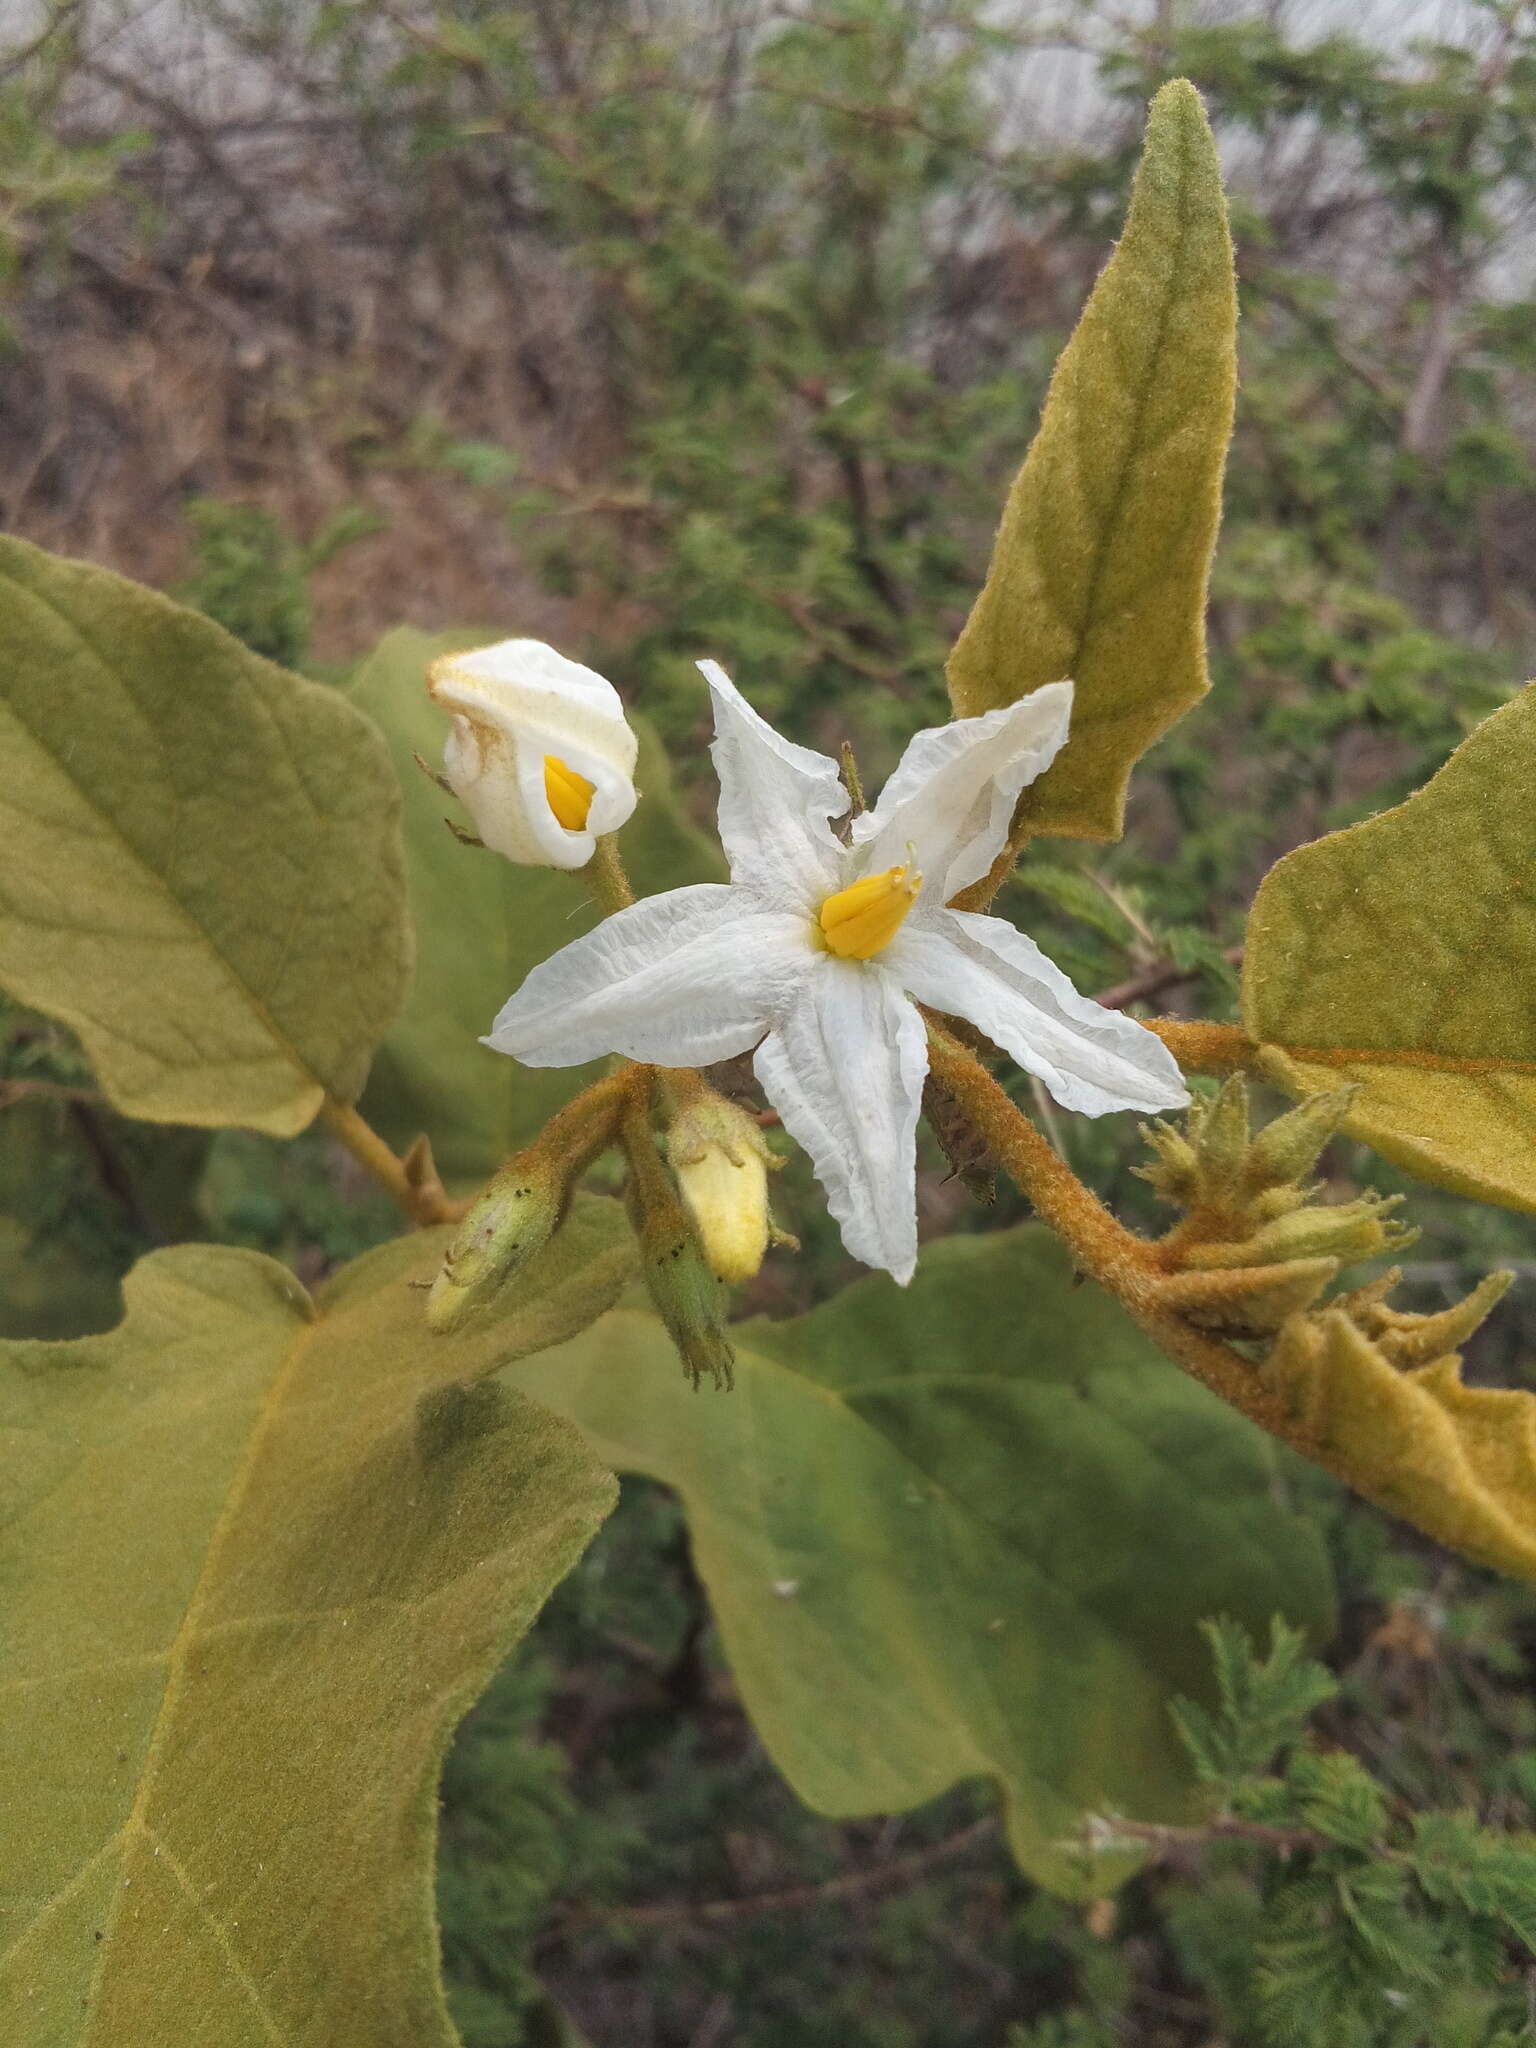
x=1457, y=1461
x=1100, y=567
x=963, y=1528
x=202, y=869
x=1401, y=953
x=259, y=1556
x=481, y=925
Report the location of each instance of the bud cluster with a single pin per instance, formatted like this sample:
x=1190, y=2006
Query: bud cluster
x=1255, y=1245
x=700, y=1214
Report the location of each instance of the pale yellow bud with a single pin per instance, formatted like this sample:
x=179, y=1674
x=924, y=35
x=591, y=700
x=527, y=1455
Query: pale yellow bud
x=721, y=1163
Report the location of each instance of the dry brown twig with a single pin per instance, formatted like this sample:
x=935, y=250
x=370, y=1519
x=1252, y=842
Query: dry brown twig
x=852, y=1884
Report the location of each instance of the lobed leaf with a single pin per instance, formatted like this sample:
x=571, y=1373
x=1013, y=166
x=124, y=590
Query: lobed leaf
x=481, y=924
x=1100, y=566
x=1401, y=953
x=203, y=874
x=260, y=1554
x=1458, y=1462
x=968, y=1527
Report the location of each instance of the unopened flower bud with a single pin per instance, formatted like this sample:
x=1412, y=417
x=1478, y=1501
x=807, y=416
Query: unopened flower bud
x=1288, y=1148
x=539, y=752
x=1176, y=1171
x=721, y=1163
x=691, y=1302
x=1219, y=1129
x=1346, y=1231
x=524, y=1204
x=519, y=1212
x=683, y=1287
x=1245, y=1301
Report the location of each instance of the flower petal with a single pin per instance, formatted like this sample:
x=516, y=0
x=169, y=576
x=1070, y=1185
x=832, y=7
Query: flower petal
x=526, y=682
x=845, y=1070
x=952, y=795
x=1090, y=1059
x=775, y=803
x=682, y=979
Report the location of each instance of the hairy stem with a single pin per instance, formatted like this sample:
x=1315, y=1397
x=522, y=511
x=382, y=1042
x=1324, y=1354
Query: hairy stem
x=1126, y=1265
x=604, y=875
x=422, y=1197
x=1104, y=1245
x=1218, y=1049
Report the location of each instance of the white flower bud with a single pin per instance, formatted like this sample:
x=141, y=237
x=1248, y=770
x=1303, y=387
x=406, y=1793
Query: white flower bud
x=539, y=752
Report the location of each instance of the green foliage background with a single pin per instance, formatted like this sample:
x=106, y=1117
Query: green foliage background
x=819, y=265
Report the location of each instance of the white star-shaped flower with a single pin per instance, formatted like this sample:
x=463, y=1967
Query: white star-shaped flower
x=818, y=954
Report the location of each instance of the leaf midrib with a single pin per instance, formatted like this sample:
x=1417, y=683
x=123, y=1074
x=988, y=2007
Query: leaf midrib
x=188, y=1629
x=1411, y=1057
x=1110, y=533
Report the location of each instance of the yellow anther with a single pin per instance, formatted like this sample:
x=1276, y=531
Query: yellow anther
x=570, y=794
x=859, y=920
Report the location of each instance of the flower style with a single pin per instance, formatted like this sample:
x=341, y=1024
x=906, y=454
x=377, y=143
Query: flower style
x=818, y=953
x=539, y=752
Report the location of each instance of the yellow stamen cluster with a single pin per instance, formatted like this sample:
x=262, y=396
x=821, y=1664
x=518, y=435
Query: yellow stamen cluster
x=570, y=794
x=859, y=920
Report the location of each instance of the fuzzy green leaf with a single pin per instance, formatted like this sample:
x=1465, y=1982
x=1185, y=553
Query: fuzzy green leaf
x=1401, y=953
x=203, y=874
x=968, y=1527
x=482, y=924
x=1100, y=567
x=260, y=1555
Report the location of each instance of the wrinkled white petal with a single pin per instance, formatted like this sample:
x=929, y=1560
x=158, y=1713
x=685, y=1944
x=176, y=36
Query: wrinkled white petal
x=680, y=979
x=1090, y=1059
x=513, y=704
x=845, y=1069
x=775, y=803
x=953, y=793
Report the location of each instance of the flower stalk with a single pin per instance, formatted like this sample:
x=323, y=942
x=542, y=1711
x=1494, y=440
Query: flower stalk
x=1200, y=1048
x=605, y=877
